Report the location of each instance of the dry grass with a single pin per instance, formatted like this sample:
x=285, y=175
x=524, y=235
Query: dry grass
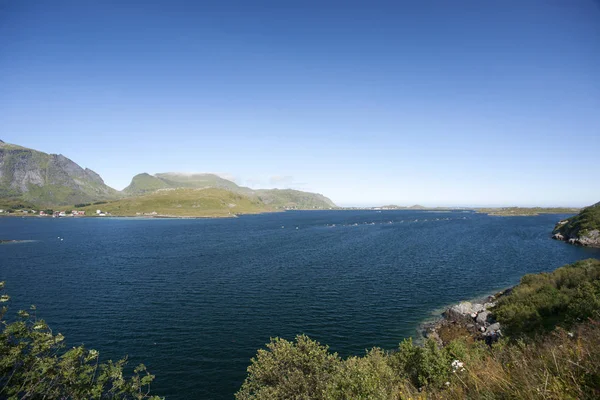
x=562, y=365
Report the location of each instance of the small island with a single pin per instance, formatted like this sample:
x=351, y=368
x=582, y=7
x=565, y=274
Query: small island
x=526, y=211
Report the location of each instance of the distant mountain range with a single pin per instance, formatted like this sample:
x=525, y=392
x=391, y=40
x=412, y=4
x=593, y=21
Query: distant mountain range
x=45, y=180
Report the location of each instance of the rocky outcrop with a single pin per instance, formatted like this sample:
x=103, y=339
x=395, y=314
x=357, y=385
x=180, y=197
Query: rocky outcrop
x=474, y=319
x=582, y=229
x=589, y=238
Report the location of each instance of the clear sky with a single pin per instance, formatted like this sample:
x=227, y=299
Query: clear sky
x=492, y=102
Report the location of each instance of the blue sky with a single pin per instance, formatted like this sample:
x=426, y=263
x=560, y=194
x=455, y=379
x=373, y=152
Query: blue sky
x=429, y=102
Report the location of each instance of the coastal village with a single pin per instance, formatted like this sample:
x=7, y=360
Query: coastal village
x=52, y=213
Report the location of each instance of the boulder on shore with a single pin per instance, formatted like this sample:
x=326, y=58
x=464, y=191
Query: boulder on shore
x=482, y=317
x=466, y=319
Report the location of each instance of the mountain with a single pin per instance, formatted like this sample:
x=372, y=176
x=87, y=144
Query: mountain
x=273, y=198
x=146, y=183
x=582, y=229
x=48, y=179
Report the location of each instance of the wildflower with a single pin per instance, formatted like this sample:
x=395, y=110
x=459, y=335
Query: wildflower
x=458, y=365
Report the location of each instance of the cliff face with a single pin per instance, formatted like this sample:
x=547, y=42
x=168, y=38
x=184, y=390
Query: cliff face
x=48, y=179
x=583, y=229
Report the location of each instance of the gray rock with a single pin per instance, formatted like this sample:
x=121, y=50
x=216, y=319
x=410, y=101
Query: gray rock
x=590, y=238
x=475, y=308
x=493, y=328
x=482, y=317
x=459, y=311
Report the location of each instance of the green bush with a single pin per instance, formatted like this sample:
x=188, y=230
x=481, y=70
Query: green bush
x=543, y=301
x=426, y=365
x=368, y=377
x=290, y=370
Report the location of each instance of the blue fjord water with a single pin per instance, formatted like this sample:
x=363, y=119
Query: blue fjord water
x=195, y=299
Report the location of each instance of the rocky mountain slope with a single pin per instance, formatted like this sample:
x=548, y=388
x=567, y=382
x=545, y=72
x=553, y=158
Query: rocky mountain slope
x=582, y=229
x=48, y=179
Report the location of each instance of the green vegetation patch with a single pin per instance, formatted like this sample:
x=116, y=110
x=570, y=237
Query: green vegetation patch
x=542, y=301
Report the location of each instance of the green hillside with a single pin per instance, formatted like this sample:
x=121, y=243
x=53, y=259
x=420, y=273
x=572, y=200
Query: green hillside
x=272, y=198
x=145, y=183
x=293, y=199
x=210, y=202
x=47, y=179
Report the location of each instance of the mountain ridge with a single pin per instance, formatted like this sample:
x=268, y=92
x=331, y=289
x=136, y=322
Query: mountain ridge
x=145, y=183
x=32, y=177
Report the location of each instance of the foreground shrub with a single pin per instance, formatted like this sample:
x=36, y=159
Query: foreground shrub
x=290, y=370
x=35, y=365
x=426, y=365
x=368, y=377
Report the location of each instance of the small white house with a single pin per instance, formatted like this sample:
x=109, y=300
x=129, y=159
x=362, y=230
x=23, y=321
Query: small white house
x=98, y=212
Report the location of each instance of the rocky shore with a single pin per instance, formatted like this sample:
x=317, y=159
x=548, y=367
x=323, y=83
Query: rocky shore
x=468, y=319
x=589, y=239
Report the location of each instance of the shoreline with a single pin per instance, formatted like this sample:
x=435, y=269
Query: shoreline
x=471, y=318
